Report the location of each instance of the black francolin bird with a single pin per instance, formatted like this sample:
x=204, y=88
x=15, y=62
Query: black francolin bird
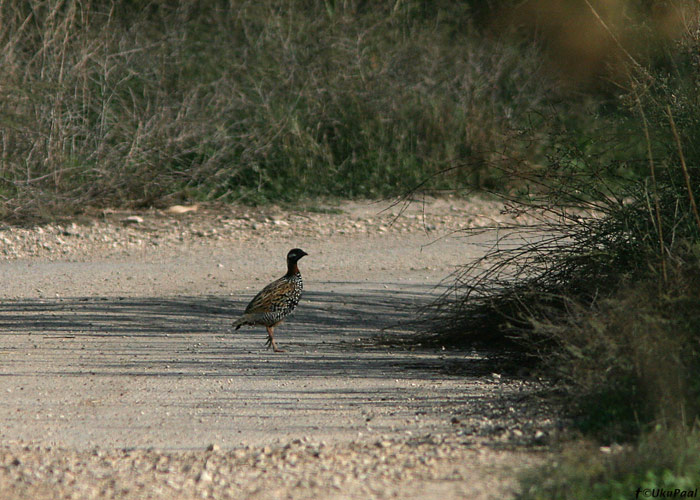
x=276, y=301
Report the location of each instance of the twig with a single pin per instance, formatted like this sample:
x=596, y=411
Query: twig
x=612, y=35
x=657, y=209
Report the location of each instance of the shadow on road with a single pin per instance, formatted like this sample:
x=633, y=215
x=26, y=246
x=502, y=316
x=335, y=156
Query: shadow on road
x=191, y=336
x=169, y=372
x=146, y=316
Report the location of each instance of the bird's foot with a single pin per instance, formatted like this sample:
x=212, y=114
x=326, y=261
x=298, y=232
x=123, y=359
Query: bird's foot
x=271, y=343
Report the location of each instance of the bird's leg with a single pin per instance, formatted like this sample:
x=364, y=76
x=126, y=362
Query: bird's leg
x=271, y=341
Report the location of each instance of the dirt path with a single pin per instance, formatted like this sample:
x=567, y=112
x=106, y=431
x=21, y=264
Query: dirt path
x=119, y=369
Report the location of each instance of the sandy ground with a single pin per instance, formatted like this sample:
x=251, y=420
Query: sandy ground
x=121, y=377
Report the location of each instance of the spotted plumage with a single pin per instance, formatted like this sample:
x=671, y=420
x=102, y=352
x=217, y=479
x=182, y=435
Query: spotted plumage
x=276, y=301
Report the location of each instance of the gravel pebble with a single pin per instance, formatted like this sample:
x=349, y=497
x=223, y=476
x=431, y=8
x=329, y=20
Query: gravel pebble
x=123, y=233
x=428, y=467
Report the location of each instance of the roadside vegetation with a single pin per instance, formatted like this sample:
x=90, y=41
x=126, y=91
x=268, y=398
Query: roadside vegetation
x=586, y=113
x=138, y=104
x=605, y=297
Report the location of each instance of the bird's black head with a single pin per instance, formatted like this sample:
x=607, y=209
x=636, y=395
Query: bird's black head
x=295, y=254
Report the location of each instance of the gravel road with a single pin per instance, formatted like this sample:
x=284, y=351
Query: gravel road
x=121, y=376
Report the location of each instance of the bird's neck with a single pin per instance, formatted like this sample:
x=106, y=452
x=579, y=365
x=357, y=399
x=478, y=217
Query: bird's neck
x=292, y=269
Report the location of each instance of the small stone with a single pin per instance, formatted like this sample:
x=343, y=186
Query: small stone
x=181, y=209
x=71, y=230
x=204, y=477
x=133, y=219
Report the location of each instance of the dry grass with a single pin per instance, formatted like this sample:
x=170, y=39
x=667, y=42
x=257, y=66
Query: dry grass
x=146, y=104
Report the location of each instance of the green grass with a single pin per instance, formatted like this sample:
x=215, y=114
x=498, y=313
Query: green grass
x=259, y=102
x=660, y=461
x=252, y=102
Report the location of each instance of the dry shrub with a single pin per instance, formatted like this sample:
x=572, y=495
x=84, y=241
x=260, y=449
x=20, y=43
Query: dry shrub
x=631, y=359
x=604, y=292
